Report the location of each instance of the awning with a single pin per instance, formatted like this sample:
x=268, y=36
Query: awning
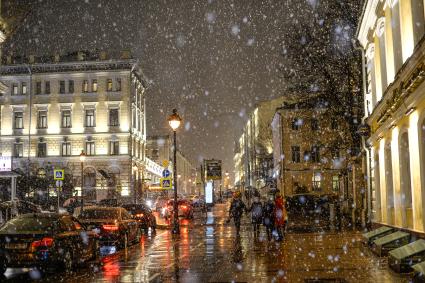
x=408, y=250
x=391, y=238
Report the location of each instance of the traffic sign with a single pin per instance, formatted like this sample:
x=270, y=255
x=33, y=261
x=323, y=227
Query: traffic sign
x=59, y=174
x=165, y=163
x=5, y=163
x=166, y=173
x=166, y=183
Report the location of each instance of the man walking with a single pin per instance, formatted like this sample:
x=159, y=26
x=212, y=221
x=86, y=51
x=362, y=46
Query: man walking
x=237, y=208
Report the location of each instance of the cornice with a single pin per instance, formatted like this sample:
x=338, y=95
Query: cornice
x=367, y=21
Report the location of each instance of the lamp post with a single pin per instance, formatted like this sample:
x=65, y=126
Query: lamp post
x=175, y=120
x=82, y=159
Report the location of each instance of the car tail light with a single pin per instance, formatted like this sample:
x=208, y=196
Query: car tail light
x=110, y=227
x=184, y=206
x=45, y=242
x=139, y=215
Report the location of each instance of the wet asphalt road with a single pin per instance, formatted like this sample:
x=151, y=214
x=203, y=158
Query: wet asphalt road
x=208, y=251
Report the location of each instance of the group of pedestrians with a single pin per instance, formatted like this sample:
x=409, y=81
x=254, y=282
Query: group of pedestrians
x=272, y=214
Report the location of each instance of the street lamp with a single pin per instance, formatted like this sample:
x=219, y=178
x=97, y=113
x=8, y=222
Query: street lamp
x=82, y=159
x=175, y=120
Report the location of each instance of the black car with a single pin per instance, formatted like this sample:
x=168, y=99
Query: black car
x=45, y=240
x=142, y=214
x=114, y=225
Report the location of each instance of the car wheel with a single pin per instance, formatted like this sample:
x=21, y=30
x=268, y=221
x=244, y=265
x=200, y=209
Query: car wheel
x=67, y=262
x=3, y=266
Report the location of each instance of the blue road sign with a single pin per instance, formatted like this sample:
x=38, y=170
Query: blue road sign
x=166, y=173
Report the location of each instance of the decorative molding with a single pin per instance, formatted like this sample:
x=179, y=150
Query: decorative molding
x=370, y=51
x=380, y=27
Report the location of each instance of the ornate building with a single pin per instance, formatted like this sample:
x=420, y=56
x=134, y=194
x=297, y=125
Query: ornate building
x=392, y=36
x=52, y=111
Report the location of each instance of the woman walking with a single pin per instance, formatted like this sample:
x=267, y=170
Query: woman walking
x=280, y=216
x=256, y=210
x=268, y=217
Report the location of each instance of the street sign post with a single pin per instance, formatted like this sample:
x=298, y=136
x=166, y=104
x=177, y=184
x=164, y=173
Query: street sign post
x=166, y=183
x=5, y=163
x=213, y=169
x=58, y=174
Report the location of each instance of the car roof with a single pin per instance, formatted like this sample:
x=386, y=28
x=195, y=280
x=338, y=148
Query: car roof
x=102, y=208
x=43, y=215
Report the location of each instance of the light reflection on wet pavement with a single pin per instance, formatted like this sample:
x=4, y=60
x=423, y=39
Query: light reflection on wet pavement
x=211, y=253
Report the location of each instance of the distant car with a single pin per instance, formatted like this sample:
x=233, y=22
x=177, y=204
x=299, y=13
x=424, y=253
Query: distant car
x=45, y=240
x=160, y=203
x=185, y=209
x=114, y=225
x=143, y=214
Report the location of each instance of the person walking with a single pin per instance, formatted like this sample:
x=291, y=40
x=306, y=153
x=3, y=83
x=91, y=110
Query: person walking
x=237, y=208
x=280, y=216
x=256, y=210
x=268, y=217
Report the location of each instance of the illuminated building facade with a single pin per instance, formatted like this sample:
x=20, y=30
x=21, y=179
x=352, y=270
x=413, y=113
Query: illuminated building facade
x=52, y=111
x=391, y=33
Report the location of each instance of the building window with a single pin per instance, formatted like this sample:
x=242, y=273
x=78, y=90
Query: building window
x=315, y=153
x=61, y=86
x=314, y=124
x=109, y=85
x=118, y=84
x=19, y=120
x=71, y=86
x=94, y=86
x=317, y=181
x=334, y=124
x=296, y=124
x=24, y=88
x=295, y=154
x=335, y=183
x=85, y=86
x=90, y=150
x=66, y=149
x=14, y=89
x=42, y=119
x=114, y=117
x=47, y=87
x=66, y=119
x=114, y=148
x=41, y=149
x=18, y=150
x=90, y=118
x=38, y=88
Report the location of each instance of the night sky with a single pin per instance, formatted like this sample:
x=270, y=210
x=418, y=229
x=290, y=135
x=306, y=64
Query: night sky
x=212, y=60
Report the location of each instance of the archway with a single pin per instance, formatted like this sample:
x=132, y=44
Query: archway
x=405, y=180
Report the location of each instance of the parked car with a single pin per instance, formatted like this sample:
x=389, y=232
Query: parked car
x=45, y=240
x=22, y=207
x=114, y=225
x=185, y=209
x=160, y=203
x=143, y=214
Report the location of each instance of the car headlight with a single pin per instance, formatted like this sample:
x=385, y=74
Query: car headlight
x=149, y=203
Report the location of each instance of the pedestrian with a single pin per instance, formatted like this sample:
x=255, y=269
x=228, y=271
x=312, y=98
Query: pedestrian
x=256, y=210
x=268, y=217
x=280, y=216
x=237, y=208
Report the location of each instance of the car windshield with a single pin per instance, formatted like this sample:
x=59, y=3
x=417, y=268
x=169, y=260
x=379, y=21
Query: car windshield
x=99, y=214
x=29, y=224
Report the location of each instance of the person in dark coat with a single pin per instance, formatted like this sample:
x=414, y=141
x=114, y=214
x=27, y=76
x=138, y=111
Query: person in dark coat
x=256, y=210
x=237, y=208
x=268, y=217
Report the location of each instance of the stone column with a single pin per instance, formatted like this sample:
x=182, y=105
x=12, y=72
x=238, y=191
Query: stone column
x=382, y=181
x=376, y=185
x=389, y=46
x=412, y=25
x=398, y=209
x=370, y=55
x=380, y=59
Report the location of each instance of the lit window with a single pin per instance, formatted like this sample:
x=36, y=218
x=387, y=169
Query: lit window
x=24, y=88
x=118, y=84
x=109, y=85
x=71, y=86
x=317, y=181
x=94, y=86
x=19, y=120
x=90, y=150
x=41, y=149
x=90, y=118
x=114, y=117
x=114, y=148
x=85, y=86
x=335, y=183
x=296, y=154
x=66, y=119
x=14, y=89
x=42, y=119
x=66, y=149
x=61, y=86
x=18, y=150
x=47, y=87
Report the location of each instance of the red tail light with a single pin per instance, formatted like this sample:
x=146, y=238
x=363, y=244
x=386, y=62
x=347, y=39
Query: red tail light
x=110, y=227
x=45, y=242
x=184, y=206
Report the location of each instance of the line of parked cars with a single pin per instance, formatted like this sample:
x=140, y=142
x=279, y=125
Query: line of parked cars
x=46, y=239
x=186, y=206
